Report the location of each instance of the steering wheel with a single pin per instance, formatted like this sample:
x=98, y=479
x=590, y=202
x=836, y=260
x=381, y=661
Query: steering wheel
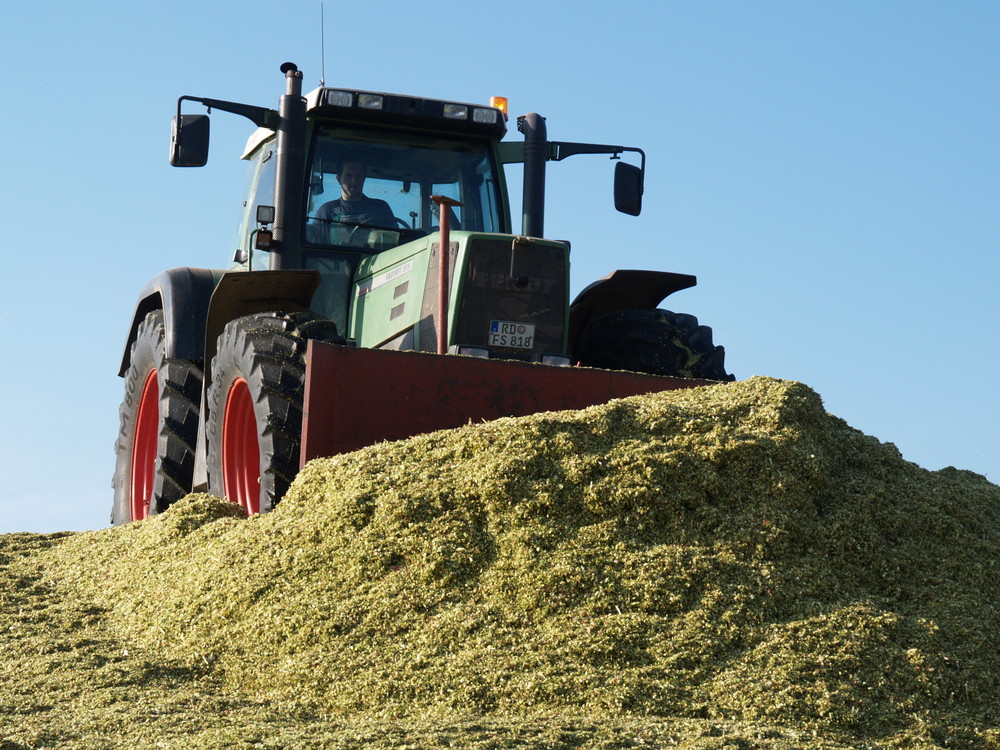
x=350, y=236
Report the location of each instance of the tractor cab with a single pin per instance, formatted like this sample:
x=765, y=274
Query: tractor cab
x=372, y=163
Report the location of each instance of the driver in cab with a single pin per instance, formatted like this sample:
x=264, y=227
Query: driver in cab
x=353, y=207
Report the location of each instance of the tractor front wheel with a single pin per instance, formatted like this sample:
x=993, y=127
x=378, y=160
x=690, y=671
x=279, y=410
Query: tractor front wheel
x=159, y=427
x=254, y=423
x=657, y=342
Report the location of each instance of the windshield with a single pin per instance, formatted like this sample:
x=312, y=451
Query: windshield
x=375, y=194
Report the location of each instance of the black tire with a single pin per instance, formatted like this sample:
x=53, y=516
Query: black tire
x=657, y=342
x=156, y=441
x=255, y=405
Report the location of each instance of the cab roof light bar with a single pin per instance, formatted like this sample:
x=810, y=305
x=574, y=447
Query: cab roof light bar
x=477, y=116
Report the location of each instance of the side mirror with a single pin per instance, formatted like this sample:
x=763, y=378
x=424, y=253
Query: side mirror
x=189, y=141
x=628, y=188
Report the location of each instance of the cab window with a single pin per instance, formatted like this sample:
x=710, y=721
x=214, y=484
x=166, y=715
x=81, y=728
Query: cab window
x=374, y=195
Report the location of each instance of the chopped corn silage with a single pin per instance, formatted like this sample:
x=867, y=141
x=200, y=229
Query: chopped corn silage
x=731, y=553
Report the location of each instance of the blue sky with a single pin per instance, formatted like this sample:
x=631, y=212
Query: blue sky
x=829, y=170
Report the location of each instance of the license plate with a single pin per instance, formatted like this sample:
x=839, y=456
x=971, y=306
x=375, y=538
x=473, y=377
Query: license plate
x=511, y=334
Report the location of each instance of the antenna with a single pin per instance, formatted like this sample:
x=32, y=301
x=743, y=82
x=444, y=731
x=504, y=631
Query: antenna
x=322, y=49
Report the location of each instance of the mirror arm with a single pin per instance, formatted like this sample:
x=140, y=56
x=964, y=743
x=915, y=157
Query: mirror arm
x=559, y=150
x=262, y=117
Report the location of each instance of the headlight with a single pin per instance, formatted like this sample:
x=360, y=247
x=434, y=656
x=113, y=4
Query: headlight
x=370, y=101
x=559, y=360
x=456, y=112
x=470, y=351
x=488, y=116
x=339, y=98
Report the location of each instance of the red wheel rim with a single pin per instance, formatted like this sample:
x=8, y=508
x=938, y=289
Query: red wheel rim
x=241, y=449
x=144, y=442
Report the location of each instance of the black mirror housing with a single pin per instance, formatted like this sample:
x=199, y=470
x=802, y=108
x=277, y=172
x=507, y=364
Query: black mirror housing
x=628, y=188
x=189, y=141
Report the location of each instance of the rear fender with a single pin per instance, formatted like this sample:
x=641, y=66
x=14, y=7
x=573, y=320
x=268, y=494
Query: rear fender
x=183, y=294
x=623, y=290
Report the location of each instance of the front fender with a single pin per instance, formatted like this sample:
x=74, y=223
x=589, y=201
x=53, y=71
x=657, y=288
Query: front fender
x=246, y=292
x=623, y=290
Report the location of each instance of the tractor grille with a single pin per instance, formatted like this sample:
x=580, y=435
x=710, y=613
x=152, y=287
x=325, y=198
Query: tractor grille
x=521, y=281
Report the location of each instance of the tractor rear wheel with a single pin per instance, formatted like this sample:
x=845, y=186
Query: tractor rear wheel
x=254, y=423
x=657, y=342
x=159, y=427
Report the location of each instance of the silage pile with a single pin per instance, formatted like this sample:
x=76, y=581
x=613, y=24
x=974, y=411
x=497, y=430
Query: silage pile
x=731, y=553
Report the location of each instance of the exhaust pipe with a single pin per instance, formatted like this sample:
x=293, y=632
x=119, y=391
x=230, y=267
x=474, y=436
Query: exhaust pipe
x=536, y=152
x=289, y=166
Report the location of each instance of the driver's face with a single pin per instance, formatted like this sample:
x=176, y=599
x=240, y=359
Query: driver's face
x=352, y=181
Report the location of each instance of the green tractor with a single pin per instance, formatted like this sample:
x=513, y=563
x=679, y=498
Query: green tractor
x=378, y=291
